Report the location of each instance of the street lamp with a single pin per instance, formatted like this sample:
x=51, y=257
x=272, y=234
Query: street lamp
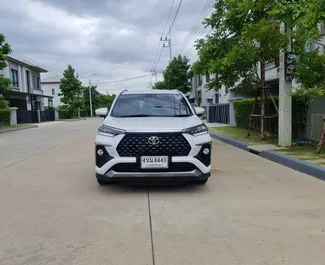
x=89, y=91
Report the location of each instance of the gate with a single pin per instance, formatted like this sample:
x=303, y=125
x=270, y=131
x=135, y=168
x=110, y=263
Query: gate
x=219, y=113
x=47, y=115
x=26, y=116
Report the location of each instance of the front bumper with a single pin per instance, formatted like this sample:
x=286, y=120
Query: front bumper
x=195, y=166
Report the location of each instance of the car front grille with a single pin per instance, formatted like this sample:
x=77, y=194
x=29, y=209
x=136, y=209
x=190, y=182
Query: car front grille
x=170, y=144
x=136, y=167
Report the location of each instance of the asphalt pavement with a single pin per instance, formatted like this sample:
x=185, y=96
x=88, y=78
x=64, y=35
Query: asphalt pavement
x=251, y=211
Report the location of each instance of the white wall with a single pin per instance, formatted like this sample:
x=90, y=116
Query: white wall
x=209, y=96
x=47, y=90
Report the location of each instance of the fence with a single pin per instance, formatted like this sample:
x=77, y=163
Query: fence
x=31, y=116
x=219, y=113
x=47, y=115
x=26, y=116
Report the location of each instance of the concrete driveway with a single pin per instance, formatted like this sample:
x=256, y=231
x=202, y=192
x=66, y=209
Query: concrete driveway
x=252, y=211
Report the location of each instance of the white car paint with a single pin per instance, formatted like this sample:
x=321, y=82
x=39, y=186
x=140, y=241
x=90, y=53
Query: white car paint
x=150, y=125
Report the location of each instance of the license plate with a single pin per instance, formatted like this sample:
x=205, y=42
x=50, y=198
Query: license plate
x=154, y=162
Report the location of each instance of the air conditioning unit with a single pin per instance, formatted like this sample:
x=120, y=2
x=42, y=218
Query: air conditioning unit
x=317, y=126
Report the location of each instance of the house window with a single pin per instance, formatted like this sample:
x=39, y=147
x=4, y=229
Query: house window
x=53, y=91
x=14, y=78
x=216, y=98
x=207, y=78
x=226, y=90
x=210, y=101
x=36, y=82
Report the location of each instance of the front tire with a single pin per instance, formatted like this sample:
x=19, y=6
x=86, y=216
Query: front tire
x=201, y=181
x=102, y=182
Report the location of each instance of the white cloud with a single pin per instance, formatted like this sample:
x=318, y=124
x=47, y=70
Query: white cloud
x=113, y=38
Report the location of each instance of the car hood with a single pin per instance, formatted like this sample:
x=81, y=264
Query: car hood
x=153, y=124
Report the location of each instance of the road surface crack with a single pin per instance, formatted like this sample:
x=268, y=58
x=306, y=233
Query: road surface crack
x=150, y=226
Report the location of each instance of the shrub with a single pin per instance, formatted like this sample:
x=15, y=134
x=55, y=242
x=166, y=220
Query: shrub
x=243, y=109
x=64, y=114
x=68, y=114
x=5, y=116
x=3, y=103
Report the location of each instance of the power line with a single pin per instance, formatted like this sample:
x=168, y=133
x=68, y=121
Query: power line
x=199, y=18
x=195, y=30
x=154, y=65
x=121, y=80
x=179, y=6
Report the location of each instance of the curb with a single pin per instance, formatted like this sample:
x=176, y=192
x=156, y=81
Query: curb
x=230, y=141
x=295, y=163
x=18, y=129
x=291, y=162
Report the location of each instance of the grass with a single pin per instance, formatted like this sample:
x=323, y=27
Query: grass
x=303, y=152
x=306, y=153
x=240, y=134
x=13, y=126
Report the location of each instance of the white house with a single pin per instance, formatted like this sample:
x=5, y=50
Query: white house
x=26, y=92
x=51, y=87
x=200, y=95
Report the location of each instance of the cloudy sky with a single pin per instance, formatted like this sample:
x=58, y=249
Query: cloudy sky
x=114, y=39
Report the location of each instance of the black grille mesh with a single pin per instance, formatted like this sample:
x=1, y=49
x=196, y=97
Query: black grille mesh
x=136, y=167
x=170, y=144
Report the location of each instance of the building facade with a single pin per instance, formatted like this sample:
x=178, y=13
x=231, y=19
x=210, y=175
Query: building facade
x=51, y=87
x=26, y=92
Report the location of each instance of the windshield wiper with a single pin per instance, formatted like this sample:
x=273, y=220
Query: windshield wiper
x=182, y=115
x=136, y=115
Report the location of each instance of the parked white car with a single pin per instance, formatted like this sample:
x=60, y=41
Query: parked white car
x=152, y=134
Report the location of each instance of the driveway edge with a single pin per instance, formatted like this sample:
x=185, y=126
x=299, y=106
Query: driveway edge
x=295, y=163
x=291, y=162
x=230, y=141
x=18, y=129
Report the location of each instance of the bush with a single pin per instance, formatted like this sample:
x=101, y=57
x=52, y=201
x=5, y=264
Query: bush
x=68, y=114
x=5, y=116
x=243, y=109
x=3, y=103
x=65, y=114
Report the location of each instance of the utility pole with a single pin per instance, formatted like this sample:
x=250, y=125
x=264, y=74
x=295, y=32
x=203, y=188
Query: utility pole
x=154, y=73
x=285, y=91
x=90, y=99
x=169, y=42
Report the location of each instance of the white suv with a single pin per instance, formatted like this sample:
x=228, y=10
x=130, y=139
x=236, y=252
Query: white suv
x=152, y=134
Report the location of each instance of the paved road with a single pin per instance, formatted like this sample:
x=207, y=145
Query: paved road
x=252, y=211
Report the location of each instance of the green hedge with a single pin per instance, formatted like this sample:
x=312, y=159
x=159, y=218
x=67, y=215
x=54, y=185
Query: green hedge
x=67, y=114
x=5, y=116
x=243, y=109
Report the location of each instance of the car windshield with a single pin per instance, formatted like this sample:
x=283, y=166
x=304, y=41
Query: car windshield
x=151, y=105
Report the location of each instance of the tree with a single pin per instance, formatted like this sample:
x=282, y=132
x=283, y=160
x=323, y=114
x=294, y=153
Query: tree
x=105, y=101
x=160, y=85
x=177, y=74
x=305, y=16
x=5, y=50
x=71, y=90
x=246, y=35
x=95, y=98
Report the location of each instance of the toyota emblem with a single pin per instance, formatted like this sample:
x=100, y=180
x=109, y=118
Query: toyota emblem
x=153, y=140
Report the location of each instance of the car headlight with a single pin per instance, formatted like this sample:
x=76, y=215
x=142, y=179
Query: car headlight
x=109, y=131
x=197, y=130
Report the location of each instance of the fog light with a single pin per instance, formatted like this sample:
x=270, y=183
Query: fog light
x=206, y=151
x=100, y=152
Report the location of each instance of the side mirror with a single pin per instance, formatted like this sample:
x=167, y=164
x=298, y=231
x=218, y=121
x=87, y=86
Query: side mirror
x=199, y=111
x=102, y=112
